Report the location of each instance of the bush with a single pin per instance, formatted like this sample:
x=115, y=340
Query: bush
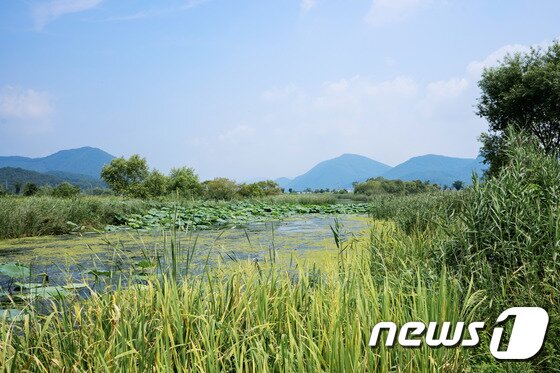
x=30, y=189
x=380, y=185
x=66, y=190
x=220, y=189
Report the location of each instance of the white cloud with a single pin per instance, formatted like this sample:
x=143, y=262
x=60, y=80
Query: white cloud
x=357, y=92
x=447, y=88
x=48, y=11
x=237, y=134
x=24, y=103
x=383, y=12
x=306, y=5
x=475, y=68
x=289, y=91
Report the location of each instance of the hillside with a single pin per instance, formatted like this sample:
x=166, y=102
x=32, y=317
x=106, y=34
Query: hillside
x=10, y=176
x=337, y=173
x=437, y=169
x=84, y=161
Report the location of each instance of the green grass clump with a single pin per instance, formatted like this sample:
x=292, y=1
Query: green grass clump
x=36, y=216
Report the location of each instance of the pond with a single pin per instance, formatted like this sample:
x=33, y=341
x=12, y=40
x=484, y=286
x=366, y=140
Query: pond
x=99, y=259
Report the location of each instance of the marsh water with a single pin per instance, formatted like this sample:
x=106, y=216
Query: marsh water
x=88, y=256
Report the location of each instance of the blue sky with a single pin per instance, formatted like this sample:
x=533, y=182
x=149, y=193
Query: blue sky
x=254, y=89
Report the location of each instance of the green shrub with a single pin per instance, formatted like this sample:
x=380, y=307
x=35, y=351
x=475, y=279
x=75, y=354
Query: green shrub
x=65, y=190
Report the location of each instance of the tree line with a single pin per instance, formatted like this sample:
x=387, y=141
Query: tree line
x=132, y=177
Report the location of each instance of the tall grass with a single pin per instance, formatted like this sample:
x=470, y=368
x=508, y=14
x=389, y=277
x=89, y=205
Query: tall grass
x=509, y=239
x=248, y=317
x=35, y=216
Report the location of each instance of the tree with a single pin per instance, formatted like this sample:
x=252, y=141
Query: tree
x=125, y=176
x=156, y=184
x=260, y=189
x=66, y=190
x=30, y=189
x=458, y=184
x=220, y=188
x=184, y=181
x=522, y=92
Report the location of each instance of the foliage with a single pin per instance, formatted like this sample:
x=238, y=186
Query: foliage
x=458, y=184
x=206, y=214
x=379, y=185
x=220, y=189
x=522, y=92
x=30, y=189
x=249, y=317
x=259, y=189
x=65, y=190
x=156, y=184
x=125, y=176
x=184, y=182
x=42, y=215
x=510, y=236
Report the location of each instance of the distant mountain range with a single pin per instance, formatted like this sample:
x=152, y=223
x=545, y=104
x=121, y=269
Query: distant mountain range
x=341, y=172
x=11, y=176
x=85, y=161
x=80, y=167
x=337, y=173
x=83, y=166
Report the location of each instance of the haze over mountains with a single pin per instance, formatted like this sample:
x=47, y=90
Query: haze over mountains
x=86, y=161
x=80, y=167
x=341, y=172
x=83, y=166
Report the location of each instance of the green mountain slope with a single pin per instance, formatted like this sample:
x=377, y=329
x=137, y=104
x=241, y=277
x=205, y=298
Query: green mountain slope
x=85, y=161
x=10, y=176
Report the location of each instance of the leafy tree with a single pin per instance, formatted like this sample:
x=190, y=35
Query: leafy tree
x=156, y=184
x=125, y=176
x=523, y=92
x=30, y=189
x=66, y=190
x=260, y=189
x=3, y=191
x=458, y=184
x=184, y=181
x=220, y=189
x=17, y=188
x=381, y=185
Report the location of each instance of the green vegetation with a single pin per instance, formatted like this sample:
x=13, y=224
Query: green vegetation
x=522, y=93
x=131, y=177
x=206, y=214
x=42, y=215
x=439, y=256
x=10, y=177
x=380, y=185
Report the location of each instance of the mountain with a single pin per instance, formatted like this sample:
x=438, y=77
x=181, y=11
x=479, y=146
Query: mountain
x=283, y=182
x=337, y=173
x=10, y=176
x=437, y=169
x=83, y=161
